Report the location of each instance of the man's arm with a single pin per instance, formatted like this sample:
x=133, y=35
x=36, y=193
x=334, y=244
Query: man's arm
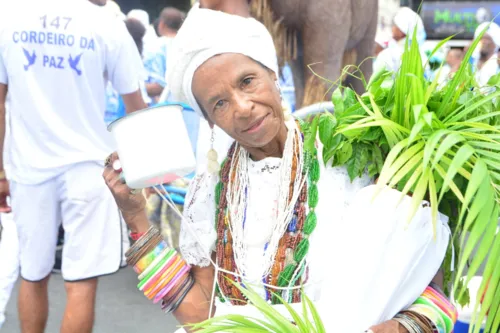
x=3, y=96
x=133, y=102
x=235, y=7
x=4, y=184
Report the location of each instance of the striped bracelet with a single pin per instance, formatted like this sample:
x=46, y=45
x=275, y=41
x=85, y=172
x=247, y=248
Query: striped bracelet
x=434, y=305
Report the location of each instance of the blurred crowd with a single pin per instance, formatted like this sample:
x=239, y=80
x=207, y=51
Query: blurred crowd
x=439, y=64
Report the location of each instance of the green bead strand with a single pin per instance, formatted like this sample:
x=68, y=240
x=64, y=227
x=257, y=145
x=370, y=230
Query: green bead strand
x=314, y=170
x=301, y=250
x=286, y=275
x=307, y=161
x=218, y=190
x=313, y=196
x=310, y=223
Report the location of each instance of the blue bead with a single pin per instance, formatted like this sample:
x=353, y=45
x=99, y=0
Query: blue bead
x=292, y=227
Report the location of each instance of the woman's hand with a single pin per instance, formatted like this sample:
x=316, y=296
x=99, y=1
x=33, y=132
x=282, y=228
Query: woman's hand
x=390, y=326
x=131, y=203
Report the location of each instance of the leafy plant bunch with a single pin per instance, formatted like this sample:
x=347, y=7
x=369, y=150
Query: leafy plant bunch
x=437, y=143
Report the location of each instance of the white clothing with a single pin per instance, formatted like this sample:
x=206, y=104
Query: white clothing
x=365, y=263
x=204, y=34
x=9, y=261
x=490, y=68
x=114, y=9
x=56, y=65
x=90, y=218
x=390, y=58
x=408, y=21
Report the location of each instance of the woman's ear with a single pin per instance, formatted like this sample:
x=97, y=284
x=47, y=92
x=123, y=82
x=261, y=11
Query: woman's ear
x=211, y=124
x=274, y=76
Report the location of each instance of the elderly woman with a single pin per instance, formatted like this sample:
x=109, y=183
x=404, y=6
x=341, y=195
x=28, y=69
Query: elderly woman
x=272, y=216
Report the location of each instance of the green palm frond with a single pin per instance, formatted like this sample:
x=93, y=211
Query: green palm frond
x=441, y=144
x=273, y=321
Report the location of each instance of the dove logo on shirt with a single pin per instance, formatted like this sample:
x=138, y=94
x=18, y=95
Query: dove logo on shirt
x=73, y=46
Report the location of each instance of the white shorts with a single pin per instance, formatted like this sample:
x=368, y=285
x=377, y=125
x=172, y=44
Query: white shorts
x=80, y=200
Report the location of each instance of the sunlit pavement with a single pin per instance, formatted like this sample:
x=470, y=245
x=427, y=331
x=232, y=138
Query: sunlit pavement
x=121, y=308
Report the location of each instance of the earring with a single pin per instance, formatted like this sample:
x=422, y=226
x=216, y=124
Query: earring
x=286, y=111
x=212, y=158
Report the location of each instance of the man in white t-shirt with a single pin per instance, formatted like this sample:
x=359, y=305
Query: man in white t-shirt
x=55, y=60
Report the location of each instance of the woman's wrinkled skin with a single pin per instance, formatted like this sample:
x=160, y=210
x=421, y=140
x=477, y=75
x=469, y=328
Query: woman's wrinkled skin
x=241, y=97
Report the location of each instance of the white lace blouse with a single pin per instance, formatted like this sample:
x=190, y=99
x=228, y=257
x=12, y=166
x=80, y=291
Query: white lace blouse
x=365, y=262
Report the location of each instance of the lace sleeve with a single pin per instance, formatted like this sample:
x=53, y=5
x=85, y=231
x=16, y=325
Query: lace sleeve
x=197, y=237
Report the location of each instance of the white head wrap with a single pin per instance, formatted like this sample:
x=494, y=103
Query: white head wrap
x=406, y=20
x=140, y=15
x=493, y=31
x=206, y=33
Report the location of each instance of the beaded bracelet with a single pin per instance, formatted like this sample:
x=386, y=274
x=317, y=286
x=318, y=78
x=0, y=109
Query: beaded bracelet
x=158, y=265
x=164, y=278
x=147, y=242
x=163, y=292
x=154, y=279
x=145, y=261
x=162, y=271
x=433, y=305
x=172, y=303
x=414, y=322
x=175, y=292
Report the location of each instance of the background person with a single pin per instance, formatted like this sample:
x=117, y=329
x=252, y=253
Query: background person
x=57, y=154
x=156, y=59
x=404, y=23
x=487, y=64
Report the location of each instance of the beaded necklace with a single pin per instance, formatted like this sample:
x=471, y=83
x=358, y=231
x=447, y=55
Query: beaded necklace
x=289, y=264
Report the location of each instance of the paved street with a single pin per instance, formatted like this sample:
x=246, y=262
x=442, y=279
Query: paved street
x=121, y=308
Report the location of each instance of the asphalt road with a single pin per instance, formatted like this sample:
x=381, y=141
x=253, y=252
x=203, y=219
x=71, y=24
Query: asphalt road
x=121, y=308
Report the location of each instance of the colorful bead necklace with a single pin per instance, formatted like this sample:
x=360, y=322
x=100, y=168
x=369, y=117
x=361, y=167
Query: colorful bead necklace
x=289, y=265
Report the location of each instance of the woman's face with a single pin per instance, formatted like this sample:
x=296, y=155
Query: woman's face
x=240, y=96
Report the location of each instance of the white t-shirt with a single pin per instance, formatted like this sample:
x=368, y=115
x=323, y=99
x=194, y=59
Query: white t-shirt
x=490, y=68
x=56, y=57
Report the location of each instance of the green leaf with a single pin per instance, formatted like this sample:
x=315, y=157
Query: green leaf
x=343, y=155
x=327, y=124
x=377, y=158
x=349, y=98
x=494, y=80
x=357, y=163
x=318, y=323
x=310, y=140
x=337, y=101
